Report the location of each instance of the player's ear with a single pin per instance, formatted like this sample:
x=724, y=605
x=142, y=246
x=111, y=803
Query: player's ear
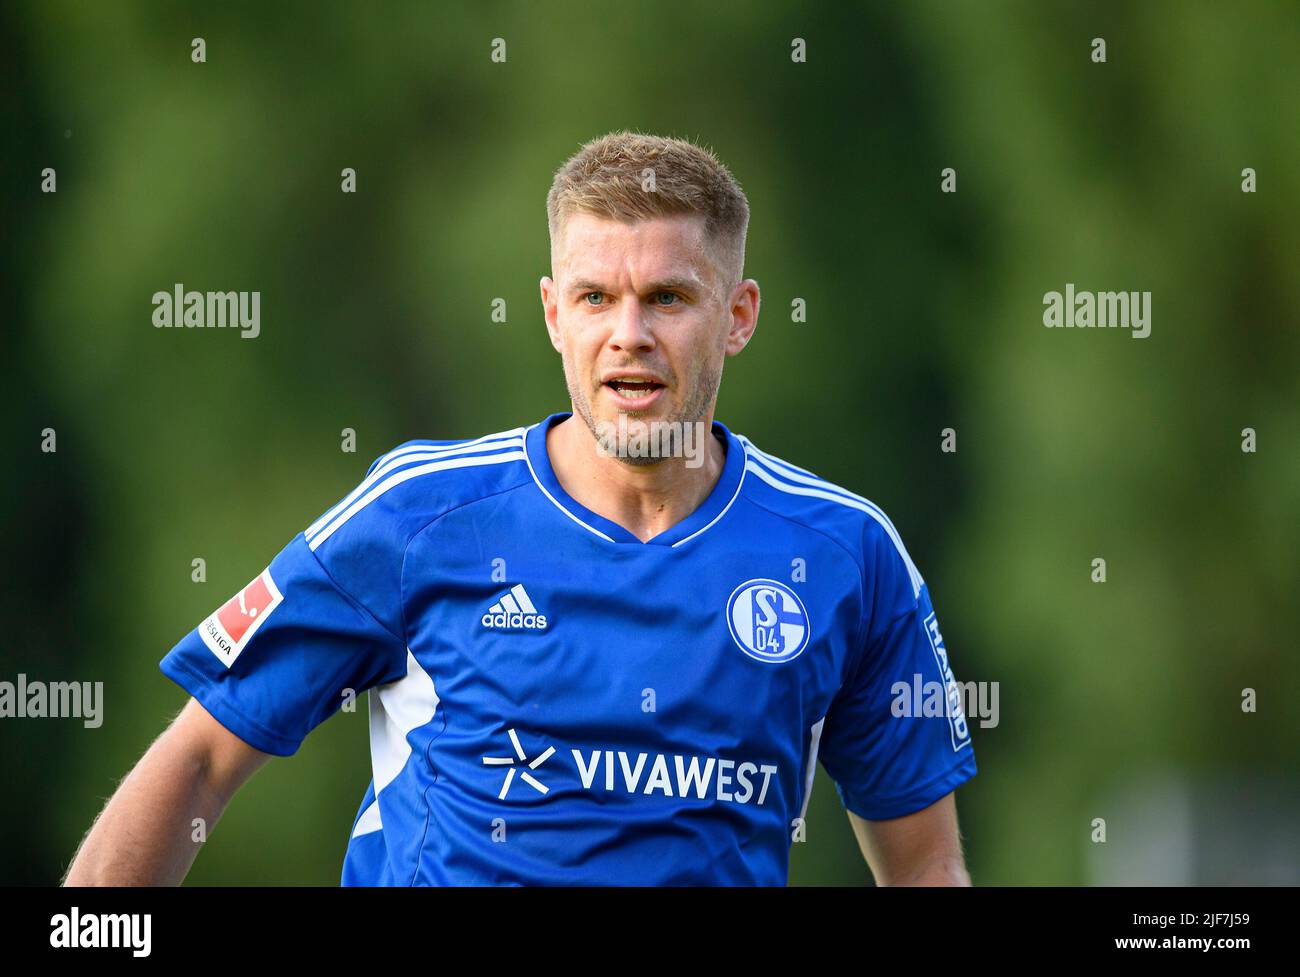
x=550, y=310
x=743, y=304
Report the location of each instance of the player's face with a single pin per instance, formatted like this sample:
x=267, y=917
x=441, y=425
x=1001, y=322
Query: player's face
x=643, y=318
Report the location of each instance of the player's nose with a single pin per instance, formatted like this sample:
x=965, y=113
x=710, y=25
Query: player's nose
x=631, y=328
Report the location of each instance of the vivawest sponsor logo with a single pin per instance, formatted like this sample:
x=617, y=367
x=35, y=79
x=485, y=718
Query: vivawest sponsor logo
x=716, y=778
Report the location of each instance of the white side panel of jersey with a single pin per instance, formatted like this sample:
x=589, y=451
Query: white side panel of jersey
x=396, y=710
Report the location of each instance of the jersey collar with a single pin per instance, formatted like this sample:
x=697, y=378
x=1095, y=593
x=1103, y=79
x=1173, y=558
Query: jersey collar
x=713, y=508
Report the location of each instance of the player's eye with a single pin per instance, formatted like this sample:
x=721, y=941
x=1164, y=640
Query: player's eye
x=671, y=296
x=588, y=296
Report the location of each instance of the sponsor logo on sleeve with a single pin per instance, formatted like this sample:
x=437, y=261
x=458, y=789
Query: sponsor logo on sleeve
x=228, y=631
x=954, y=710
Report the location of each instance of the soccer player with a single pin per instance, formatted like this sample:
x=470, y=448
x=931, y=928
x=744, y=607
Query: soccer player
x=608, y=647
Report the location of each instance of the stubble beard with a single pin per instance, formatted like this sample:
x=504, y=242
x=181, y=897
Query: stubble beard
x=704, y=393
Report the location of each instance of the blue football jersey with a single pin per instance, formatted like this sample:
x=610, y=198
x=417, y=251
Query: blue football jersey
x=554, y=701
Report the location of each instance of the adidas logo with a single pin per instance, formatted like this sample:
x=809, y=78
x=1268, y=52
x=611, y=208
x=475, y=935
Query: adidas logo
x=514, y=611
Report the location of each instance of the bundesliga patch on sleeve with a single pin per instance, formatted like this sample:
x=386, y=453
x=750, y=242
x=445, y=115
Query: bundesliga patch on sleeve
x=227, y=631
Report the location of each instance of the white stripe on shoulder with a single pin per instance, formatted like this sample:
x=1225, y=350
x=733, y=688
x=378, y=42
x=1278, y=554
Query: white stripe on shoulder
x=754, y=449
x=793, y=472
x=869, y=509
x=413, y=453
x=406, y=474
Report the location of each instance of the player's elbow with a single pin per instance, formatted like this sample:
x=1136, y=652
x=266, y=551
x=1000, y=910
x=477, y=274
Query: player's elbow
x=210, y=753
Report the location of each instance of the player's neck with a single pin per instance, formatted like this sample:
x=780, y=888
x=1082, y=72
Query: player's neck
x=646, y=500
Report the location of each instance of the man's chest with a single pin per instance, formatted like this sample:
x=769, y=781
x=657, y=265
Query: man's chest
x=644, y=669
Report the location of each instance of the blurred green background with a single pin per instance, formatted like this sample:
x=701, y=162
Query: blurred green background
x=1119, y=700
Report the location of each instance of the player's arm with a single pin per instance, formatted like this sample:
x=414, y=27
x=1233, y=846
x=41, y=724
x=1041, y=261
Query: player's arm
x=923, y=848
x=144, y=836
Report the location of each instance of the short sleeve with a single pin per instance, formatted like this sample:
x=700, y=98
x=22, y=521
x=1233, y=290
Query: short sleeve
x=279, y=657
x=895, y=738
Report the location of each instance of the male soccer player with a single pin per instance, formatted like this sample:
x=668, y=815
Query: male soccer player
x=608, y=647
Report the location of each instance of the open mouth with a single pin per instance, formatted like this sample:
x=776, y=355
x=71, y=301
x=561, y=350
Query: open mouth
x=634, y=388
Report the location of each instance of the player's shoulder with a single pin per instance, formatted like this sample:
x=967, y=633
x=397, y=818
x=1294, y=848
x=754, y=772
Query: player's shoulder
x=417, y=481
x=804, y=497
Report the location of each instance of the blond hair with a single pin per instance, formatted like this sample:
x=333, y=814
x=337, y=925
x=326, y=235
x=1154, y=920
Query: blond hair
x=607, y=178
